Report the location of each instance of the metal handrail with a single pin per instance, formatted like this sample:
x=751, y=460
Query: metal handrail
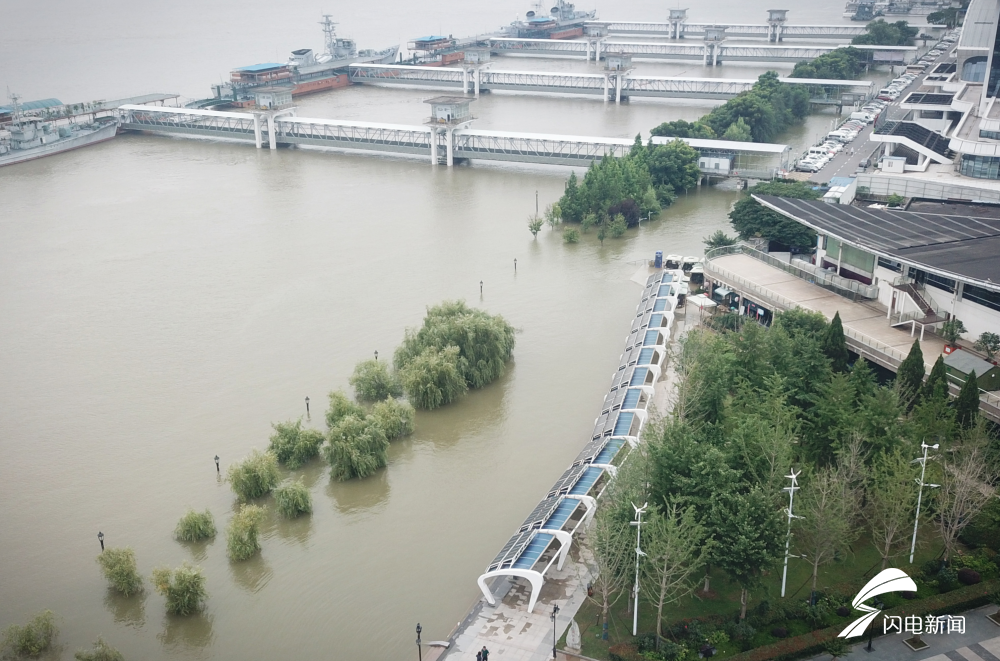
x=865, y=340
x=829, y=281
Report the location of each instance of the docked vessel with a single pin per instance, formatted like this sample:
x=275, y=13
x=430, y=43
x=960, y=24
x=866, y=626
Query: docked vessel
x=303, y=73
x=561, y=21
x=28, y=137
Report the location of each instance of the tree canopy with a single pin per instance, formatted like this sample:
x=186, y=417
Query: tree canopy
x=841, y=64
x=751, y=219
x=881, y=33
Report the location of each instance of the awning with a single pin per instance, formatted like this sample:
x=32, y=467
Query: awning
x=722, y=291
x=702, y=301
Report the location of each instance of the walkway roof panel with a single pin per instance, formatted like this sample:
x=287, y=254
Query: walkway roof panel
x=587, y=481
x=534, y=550
x=609, y=452
x=961, y=247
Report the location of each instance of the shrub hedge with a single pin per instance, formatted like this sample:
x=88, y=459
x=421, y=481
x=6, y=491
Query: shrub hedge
x=811, y=644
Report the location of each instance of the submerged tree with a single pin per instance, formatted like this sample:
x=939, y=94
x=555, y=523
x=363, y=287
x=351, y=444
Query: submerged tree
x=372, y=381
x=292, y=445
x=340, y=407
x=394, y=417
x=243, y=531
x=100, y=652
x=195, y=526
x=183, y=587
x=433, y=378
x=356, y=447
x=32, y=638
x=255, y=476
x=292, y=499
x=119, y=567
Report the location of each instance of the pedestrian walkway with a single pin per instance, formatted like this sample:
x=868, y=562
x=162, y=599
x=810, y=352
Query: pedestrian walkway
x=980, y=642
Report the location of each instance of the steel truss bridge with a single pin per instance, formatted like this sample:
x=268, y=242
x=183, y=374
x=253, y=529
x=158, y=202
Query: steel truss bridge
x=439, y=145
x=670, y=29
x=708, y=53
x=610, y=85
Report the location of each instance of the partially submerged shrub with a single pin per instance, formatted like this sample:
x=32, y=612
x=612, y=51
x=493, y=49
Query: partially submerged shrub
x=341, y=407
x=357, y=448
x=292, y=445
x=255, y=476
x=34, y=637
x=119, y=568
x=373, y=382
x=394, y=417
x=433, y=378
x=195, y=526
x=183, y=587
x=293, y=498
x=101, y=652
x=243, y=531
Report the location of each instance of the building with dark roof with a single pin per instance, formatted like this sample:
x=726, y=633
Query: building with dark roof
x=931, y=265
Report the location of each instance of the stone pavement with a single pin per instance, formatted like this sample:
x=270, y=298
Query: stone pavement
x=980, y=642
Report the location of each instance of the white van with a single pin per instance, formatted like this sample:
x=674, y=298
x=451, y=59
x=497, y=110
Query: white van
x=840, y=136
x=862, y=116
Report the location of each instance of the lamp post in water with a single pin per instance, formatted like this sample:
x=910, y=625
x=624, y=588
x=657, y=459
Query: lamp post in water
x=420, y=653
x=920, y=493
x=100, y=538
x=638, y=554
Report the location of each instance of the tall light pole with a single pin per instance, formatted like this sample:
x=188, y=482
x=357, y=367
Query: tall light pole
x=920, y=493
x=555, y=611
x=793, y=476
x=638, y=554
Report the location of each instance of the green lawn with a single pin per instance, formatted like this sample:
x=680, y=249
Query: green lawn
x=845, y=576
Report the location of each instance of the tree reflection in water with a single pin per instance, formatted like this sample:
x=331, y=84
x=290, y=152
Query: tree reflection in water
x=189, y=637
x=253, y=574
x=361, y=496
x=130, y=611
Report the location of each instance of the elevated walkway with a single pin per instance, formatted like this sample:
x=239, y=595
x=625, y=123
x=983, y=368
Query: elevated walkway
x=920, y=139
x=544, y=539
x=755, y=31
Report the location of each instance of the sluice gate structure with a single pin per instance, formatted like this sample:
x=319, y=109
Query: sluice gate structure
x=441, y=144
x=609, y=85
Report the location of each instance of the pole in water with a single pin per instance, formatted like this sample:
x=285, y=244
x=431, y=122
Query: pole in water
x=515, y=265
x=216, y=463
x=376, y=354
x=536, y=203
x=307, y=405
x=100, y=538
x=480, y=287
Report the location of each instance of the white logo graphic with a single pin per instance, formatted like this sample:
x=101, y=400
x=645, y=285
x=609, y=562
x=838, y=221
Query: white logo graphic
x=887, y=580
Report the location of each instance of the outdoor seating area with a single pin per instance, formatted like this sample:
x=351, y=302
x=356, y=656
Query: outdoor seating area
x=544, y=539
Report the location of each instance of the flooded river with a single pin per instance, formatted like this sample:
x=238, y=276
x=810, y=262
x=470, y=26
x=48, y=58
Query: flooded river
x=165, y=300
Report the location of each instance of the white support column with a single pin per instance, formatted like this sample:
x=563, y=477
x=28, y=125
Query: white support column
x=450, y=137
x=606, y=79
x=597, y=53
x=465, y=80
x=618, y=88
x=479, y=79
x=434, y=146
x=256, y=129
x=705, y=58
x=588, y=50
x=271, y=138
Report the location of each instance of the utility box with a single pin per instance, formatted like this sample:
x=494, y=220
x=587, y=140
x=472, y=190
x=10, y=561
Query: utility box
x=895, y=164
x=617, y=62
x=678, y=14
x=715, y=33
x=450, y=110
x=477, y=56
x=273, y=98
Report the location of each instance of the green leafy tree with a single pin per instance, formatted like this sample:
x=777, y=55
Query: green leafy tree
x=372, y=381
x=612, y=550
x=293, y=498
x=553, y=215
x=242, y=535
x=837, y=648
x=675, y=547
x=356, y=447
x=835, y=345
x=588, y=221
x=840, y=64
x=683, y=129
x=183, y=587
x=570, y=205
x=602, y=233
x=650, y=204
x=947, y=17
x=292, y=445
x=395, y=418
x=988, y=343
x=195, y=526
x=751, y=219
x=830, y=421
x=967, y=485
x=910, y=376
x=828, y=505
x=895, y=200
x=936, y=385
x=571, y=235
x=719, y=239
x=748, y=532
x=100, y=652
x=32, y=638
x=120, y=570
x=891, y=500
x=255, y=476
x=617, y=227
x=535, y=225
x=340, y=407
x=967, y=402
x=952, y=331
x=433, y=378
x=674, y=164
x=738, y=131
x=881, y=33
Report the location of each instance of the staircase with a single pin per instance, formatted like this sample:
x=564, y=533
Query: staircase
x=930, y=314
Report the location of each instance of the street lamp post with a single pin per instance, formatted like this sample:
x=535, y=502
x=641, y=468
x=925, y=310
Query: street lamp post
x=920, y=493
x=217, y=464
x=420, y=653
x=100, y=538
x=638, y=554
x=376, y=354
x=555, y=611
x=793, y=476
x=307, y=405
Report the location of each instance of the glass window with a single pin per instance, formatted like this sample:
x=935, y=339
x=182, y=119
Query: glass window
x=947, y=284
x=991, y=135
x=984, y=297
x=980, y=167
x=974, y=69
x=889, y=264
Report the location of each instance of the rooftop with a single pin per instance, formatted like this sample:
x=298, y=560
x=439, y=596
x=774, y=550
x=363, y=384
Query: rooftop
x=261, y=67
x=32, y=105
x=958, y=246
x=977, y=30
x=448, y=100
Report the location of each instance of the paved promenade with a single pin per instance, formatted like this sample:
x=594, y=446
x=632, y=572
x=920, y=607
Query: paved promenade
x=980, y=642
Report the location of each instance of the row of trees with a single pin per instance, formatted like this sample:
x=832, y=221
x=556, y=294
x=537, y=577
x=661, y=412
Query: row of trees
x=37, y=636
x=881, y=33
x=753, y=220
x=750, y=406
x=841, y=64
x=759, y=114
